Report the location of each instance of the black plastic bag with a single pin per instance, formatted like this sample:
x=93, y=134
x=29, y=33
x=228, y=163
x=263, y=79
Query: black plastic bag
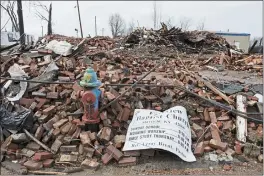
x=16, y=120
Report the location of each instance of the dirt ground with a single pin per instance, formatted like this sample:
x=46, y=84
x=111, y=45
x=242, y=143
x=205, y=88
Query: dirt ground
x=168, y=164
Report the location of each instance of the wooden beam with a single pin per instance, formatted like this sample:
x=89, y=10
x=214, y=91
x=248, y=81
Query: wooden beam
x=241, y=123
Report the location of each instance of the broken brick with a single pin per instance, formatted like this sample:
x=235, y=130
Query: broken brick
x=65, y=128
x=39, y=132
x=47, y=137
x=72, y=129
x=106, y=158
x=215, y=133
x=52, y=95
x=42, y=156
x=90, y=164
x=223, y=118
x=26, y=102
x=60, y=123
x=33, y=146
x=105, y=134
x=92, y=136
x=48, y=163
x=48, y=126
x=56, y=132
x=89, y=151
x=68, y=148
x=132, y=153
x=199, y=149
x=56, y=145
x=218, y=144
x=212, y=117
x=111, y=150
x=33, y=165
x=85, y=139
x=41, y=102
x=128, y=161
x=76, y=134
x=49, y=110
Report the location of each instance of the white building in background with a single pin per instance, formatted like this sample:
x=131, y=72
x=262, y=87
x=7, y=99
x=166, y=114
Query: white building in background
x=10, y=38
x=240, y=40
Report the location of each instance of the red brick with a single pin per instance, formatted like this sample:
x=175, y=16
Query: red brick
x=65, y=128
x=68, y=148
x=48, y=126
x=126, y=113
x=199, y=149
x=76, y=134
x=60, y=123
x=92, y=136
x=42, y=156
x=41, y=102
x=48, y=163
x=208, y=149
x=39, y=132
x=223, y=118
x=213, y=117
x=72, y=129
x=132, y=153
x=56, y=145
x=215, y=133
x=52, y=95
x=105, y=134
x=85, y=139
x=218, y=144
x=106, y=158
x=128, y=161
x=33, y=165
x=26, y=102
x=56, y=132
x=117, y=154
x=49, y=110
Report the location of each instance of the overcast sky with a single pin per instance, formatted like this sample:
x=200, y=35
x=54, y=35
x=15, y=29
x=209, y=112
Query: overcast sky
x=243, y=16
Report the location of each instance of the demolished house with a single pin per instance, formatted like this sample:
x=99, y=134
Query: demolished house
x=71, y=101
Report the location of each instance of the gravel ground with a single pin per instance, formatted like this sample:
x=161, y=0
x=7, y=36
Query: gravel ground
x=168, y=164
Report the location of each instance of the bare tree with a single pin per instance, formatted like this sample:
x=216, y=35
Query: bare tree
x=9, y=8
x=169, y=23
x=185, y=23
x=41, y=9
x=200, y=25
x=117, y=25
x=131, y=27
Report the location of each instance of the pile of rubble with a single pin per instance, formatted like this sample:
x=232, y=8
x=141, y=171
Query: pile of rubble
x=184, y=41
x=54, y=133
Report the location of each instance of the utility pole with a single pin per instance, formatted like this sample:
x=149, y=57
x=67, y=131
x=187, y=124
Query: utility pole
x=20, y=21
x=80, y=18
x=95, y=26
x=155, y=14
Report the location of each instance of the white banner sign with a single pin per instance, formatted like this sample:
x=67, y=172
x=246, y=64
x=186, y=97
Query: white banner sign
x=168, y=130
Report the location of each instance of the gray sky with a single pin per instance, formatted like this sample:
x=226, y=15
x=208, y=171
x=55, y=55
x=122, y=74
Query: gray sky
x=243, y=16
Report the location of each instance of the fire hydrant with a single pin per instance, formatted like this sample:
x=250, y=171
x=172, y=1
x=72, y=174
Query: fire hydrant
x=90, y=99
